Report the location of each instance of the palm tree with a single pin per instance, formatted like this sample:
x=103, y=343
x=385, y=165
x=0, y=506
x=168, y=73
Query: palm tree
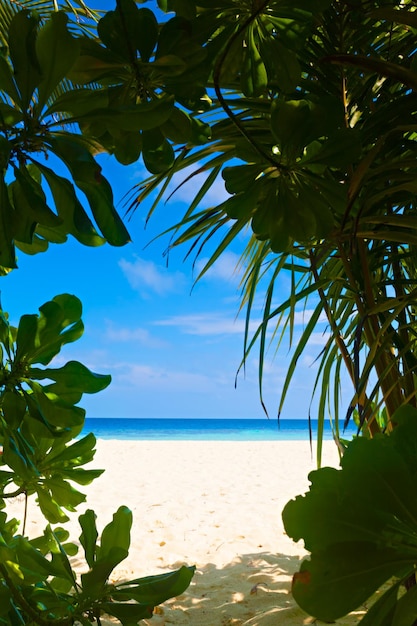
x=313, y=131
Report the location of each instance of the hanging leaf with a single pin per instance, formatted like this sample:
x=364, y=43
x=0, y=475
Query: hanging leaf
x=158, y=154
x=127, y=146
x=75, y=220
x=253, y=78
x=87, y=176
x=7, y=253
x=7, y=82
x=22, y=38
x=56, y=51
x=282, y=64
x=113, y=33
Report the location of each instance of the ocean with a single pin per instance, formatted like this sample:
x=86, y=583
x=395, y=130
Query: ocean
x=207, y=429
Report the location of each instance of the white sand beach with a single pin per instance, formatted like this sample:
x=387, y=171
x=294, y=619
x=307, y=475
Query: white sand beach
x=216, y=505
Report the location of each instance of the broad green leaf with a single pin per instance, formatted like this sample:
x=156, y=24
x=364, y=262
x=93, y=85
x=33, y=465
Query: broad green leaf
x=50, y=509
x=32, y=559
x=253, y=78
x=158, y=154
x=75, y=220
x=79, y=102
x=178, y=127
x=170, y=64
x=240, y=178
x=23, y=219
x=78, y=453
x=146, y=31
x=154, y=590
x=63, y=493
x=94, y=581
x=129, y=30
x=128, y=146
x=7, y=252
x=128, y=614
x=14, y=408
x=26, y=335
x=22, y=38
x=52, y=410
x=89, y=535
x=30, y=201
x=200, y=132
x=142, y=116
x=8, y=84
x=95, y=63
x=291, y=125
x=87, y=176
x=40, y=338
x=113, y=32
x=116, y=534
x=9, y=116
x=80, y=475
x=17, y=461
x=72, y=376
x=57, y=51
x=281, y=63
x=5, y=600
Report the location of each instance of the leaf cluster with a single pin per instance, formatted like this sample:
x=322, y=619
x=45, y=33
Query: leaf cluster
x=43, y=456
x=319, y=165
x=40, y=586
x=360, y=525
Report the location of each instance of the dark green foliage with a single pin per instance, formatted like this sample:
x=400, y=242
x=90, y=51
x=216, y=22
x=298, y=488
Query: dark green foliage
x=43, y=458
x=360, y=525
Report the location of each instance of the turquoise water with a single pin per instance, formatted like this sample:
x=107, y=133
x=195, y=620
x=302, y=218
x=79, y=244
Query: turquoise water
x=206, y=429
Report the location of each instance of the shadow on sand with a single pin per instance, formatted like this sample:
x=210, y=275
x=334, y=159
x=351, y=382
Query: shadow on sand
x=252, y=590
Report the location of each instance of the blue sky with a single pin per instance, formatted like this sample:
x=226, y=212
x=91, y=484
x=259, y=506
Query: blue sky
x=172, y=349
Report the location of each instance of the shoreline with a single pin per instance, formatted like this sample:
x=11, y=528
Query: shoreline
x=213, y=504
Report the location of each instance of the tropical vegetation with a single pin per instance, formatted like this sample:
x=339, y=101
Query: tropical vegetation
x=306, y=111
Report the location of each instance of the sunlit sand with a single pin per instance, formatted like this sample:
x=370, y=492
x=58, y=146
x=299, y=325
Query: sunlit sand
x=216, y=505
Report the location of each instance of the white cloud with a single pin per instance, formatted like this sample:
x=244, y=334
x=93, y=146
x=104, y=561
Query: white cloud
x=162, y=379
x=136, y=335
x=145, y=276
x=206, y=324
